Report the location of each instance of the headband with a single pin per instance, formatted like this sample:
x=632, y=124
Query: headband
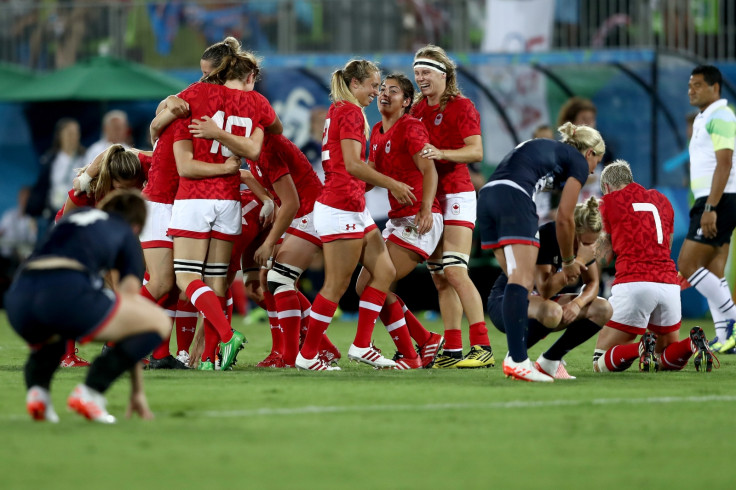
x=431, y=64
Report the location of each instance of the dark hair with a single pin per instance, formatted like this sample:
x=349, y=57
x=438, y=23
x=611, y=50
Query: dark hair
x=711, y=75
x=126, y=203
x=229, y=62
x=406, y=86
x=574, y=106
x=61, y=124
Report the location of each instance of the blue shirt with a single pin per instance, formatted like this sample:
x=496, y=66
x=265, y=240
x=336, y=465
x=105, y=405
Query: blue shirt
x=542, y=164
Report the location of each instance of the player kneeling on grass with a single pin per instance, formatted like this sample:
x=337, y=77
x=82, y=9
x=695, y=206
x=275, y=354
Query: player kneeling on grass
x=638, y=225
x=58, y=296
x=580, y=315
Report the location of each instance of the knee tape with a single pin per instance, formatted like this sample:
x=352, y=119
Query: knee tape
x=215, y=269
x=455, y=259
x=282, y=277
x=182, y=266
x=435, y=267
x=251, y=274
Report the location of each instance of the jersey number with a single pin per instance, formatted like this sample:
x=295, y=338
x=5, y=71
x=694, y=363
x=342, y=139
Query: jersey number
x=325, y=153
x=219, y=119
x=651, y=208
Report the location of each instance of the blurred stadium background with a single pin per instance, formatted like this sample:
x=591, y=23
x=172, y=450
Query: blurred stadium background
x=519, y=61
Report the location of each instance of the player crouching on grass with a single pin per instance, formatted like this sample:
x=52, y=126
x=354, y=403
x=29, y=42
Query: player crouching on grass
x=58, y=295
x=638, y=225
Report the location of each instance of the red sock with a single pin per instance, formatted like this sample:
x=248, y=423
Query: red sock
x=186, y=324
x=229, y=305
x=620, y=357
x=453, y=340
x=319, y=319
x=207, y=302
x=290, y=319
x=392, y=316
x=371, y=303
x=676, y=356
x=479, y=334
x=211, y=341
x=71, y=348
x=416, y=329
x=306, y=307
x=277, y=340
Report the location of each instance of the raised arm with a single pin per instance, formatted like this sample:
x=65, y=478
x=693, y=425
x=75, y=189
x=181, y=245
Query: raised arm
x=245, y=146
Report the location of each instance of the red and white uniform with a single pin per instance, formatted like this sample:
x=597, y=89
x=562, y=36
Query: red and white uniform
x=210, y=207
x=645, y=292
x=160, y=190
x=280, y=157
x=392, y=152
x=340, y=210
x=252, y=230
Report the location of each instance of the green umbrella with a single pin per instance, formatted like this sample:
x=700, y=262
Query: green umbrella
x=12, y=76
x=96, y=79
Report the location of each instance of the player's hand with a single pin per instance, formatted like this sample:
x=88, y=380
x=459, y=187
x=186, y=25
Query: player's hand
x=432, y=153
x=423, y=221
x=232, y=165
x=708, y=224
x=264, y=255
x=178, y=107
x=204, y=128
x=196, y=348
x=570, y=312
x=138, y=404
x=402, y=193
x=572, y=271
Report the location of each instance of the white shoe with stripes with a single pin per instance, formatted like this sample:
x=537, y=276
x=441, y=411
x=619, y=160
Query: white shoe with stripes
x=316, y=364
x=369, y=355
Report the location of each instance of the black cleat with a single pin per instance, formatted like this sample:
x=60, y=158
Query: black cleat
x=703, y=357
x=168, y=362
x=647, y=360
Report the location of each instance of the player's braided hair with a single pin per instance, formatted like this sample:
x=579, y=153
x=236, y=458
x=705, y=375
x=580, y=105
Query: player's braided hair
x=583, y=138
x=340, y=83
x=588, y=217
x=117, y=164
x=406, y=87
x=451, y=88
x=230, y=62
x=617, y=175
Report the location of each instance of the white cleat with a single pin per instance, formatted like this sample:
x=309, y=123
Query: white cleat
x=369, y=355
x=524, y=371
x=316, y=364
x=545, y=366
x=38, y=404
x=183, y=357
x=90, y=404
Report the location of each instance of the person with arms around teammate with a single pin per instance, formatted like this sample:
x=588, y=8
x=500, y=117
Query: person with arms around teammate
x=59, y=295
x=507, y=218
x=645, y=295
x=704, y=252
x=455, y=138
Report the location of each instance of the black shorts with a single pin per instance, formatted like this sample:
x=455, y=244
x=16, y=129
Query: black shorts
x=725, y=221
x=45, y=303
x=506, y=216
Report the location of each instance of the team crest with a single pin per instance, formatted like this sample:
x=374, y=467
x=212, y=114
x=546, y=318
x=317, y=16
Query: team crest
x=455, y=209
x=406, y=233
x=388, y=146
x=303, y=223
x=438, y=119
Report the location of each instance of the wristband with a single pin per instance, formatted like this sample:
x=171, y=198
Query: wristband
x=708, y=208
x=568, y=260
x=84, y=181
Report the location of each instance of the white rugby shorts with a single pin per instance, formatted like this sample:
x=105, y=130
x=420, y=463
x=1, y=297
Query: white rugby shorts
x=403, y=232
x=155, y=231
x=336, y=224
x=459, y=209
x=641, y=305
x=205, y=219
x=303, y=227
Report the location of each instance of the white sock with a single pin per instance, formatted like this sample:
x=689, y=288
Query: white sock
x=717, y=293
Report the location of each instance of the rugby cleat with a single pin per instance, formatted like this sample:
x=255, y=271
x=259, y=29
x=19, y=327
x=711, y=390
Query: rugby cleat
x=331, y=354
x=447, y=360
x=38, y=404
x=229, y=350
x=316, y=364
x=73, y=360
x=703, y=357
x=729, y=344
x=647, y=360
x=554, y=369
x=168, y=362
x=524, y=371
x=183, y=357
x=90, y=404
x=369, y=355
x=273, y=360
x=431, y=348
x=402, y=363
x=207, y=365
x=480, y=356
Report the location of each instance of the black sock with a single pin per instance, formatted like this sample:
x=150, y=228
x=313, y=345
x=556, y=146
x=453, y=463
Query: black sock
x=576, y=333
x=515, y=307
x=42, y=364
x=118, y=359
x=536, y=332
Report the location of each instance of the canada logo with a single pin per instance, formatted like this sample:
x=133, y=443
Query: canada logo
x=407, y=232
x=455, y=209
x=388, y=146
x=438, y=119
x=303, y=223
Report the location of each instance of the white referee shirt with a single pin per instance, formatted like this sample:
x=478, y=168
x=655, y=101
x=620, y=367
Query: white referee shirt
x=713, y=129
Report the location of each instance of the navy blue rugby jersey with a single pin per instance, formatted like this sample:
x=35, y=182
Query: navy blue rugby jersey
x=542, y=164
x=98, y=240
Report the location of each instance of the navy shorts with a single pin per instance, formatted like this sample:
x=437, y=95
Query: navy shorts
x=45, y=303
x=506, y=216
x=725, y=220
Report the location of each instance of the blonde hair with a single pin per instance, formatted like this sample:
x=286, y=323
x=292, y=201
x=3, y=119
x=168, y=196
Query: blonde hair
x=230, y=62
x=582, y=138
x=588, y=217
x=451, y=88
x=340, y=92
x=117, y=164
x=617, y=175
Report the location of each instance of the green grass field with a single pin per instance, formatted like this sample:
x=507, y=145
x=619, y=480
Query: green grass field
x=361, y=428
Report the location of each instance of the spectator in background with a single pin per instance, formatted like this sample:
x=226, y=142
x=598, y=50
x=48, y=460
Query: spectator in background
x=115, y=130
x=313, y=147
x=17, y=238
x=58, y=169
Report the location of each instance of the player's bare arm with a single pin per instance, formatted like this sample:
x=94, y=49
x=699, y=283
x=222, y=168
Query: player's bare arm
x=470, y=153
